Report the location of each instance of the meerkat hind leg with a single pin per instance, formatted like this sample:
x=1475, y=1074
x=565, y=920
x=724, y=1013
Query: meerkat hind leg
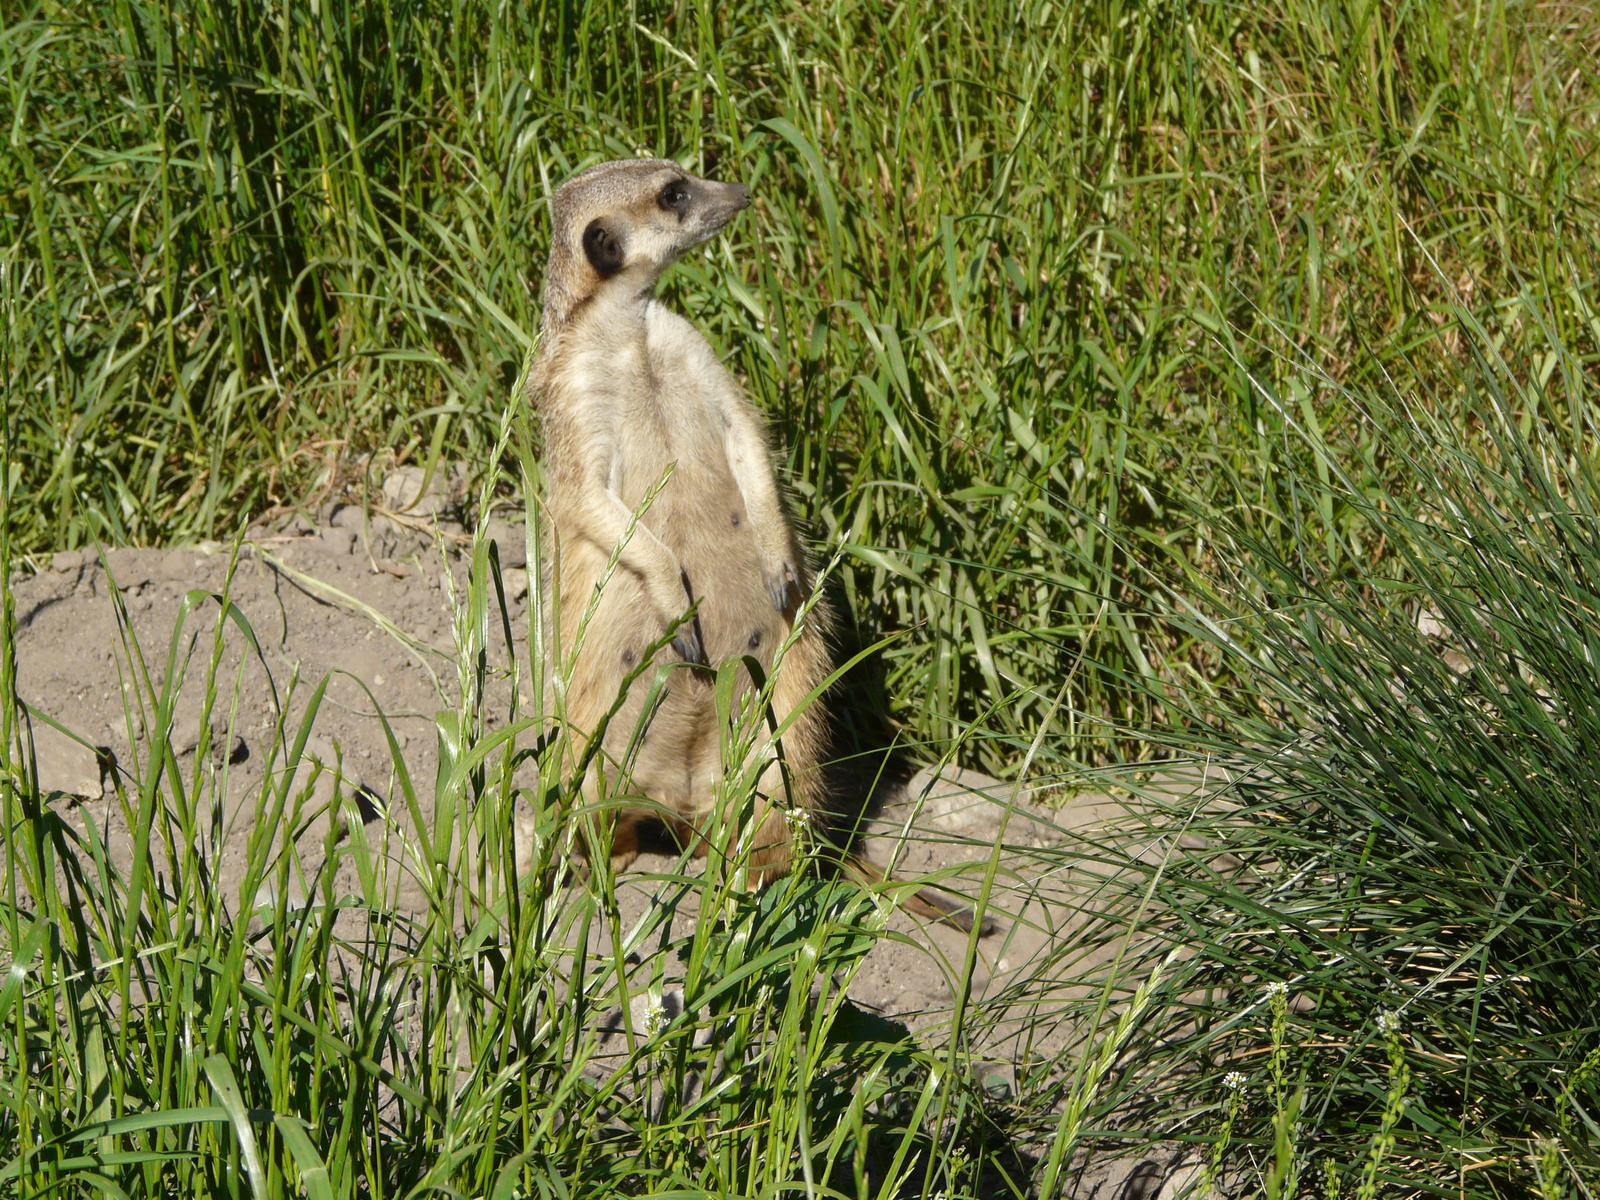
x=625, y=841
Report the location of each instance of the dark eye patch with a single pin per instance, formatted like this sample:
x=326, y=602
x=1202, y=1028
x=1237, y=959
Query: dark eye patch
x=674, y=198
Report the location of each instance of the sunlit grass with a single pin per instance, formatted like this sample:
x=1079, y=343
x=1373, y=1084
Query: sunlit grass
x=1404, y=821
x=1000, y=290
x=1147, y=367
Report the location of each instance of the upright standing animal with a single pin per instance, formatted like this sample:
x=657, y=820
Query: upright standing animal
x=631, y=394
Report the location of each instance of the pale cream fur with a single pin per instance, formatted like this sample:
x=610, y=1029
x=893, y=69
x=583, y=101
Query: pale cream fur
x=630, y=391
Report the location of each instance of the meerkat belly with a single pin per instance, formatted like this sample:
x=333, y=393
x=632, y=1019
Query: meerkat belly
x=718, y=552
x=700, y=515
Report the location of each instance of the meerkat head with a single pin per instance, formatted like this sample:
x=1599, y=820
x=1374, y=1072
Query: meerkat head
x=621, y=224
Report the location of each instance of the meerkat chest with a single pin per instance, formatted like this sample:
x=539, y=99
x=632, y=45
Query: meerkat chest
x=675, y=415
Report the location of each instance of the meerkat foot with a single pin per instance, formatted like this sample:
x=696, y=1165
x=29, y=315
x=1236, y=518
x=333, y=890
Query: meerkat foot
x=924, y=902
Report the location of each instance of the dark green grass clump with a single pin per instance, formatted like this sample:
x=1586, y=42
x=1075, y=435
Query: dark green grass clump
x=1414, y=756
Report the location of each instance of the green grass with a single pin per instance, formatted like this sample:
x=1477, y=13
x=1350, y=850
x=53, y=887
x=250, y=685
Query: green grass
x=1147, y=365
x=1000, y=292
x=1410, y=818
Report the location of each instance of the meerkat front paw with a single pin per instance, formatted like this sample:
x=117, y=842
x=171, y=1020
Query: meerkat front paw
x=689, y=643
x=783, y=587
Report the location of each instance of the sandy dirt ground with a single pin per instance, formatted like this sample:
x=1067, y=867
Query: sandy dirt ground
x=364, y=600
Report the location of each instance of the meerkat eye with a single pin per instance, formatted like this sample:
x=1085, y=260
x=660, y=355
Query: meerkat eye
x=674, y=197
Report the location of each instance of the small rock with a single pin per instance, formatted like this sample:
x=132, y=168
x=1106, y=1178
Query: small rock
x=68, y=768
x=512, y=540
x=347, y=516
x=338, y=540
x=1430, y=623
x=67, y=561
x=403, y=491
x=516, y=581
x=185, y=735
x=402, y=487
x=128, y=568
x=186, y=740
x=970, y=803
x=1183, y=1181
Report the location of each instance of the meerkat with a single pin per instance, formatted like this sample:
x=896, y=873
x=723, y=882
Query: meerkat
x=631, y=395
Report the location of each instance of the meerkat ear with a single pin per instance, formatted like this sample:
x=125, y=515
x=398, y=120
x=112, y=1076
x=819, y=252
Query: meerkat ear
x=603, y=249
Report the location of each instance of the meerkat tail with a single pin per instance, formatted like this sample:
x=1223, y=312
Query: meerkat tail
x=924, y=902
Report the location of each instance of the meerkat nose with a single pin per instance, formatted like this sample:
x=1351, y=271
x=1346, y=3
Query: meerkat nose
x=740, y=194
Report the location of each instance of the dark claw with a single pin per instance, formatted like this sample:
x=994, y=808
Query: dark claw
x=690, y=644
x=687, y=645
x=957, y=914
x=785, y=590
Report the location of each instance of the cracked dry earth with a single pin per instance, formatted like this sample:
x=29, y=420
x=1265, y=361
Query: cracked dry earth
x=365, y=601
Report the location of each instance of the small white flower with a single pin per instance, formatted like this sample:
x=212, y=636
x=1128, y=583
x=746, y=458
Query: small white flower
x=1277, y=991
x=1388, y=1022
x=797, y=817
x=1233, y=1081
x=655, y=1015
